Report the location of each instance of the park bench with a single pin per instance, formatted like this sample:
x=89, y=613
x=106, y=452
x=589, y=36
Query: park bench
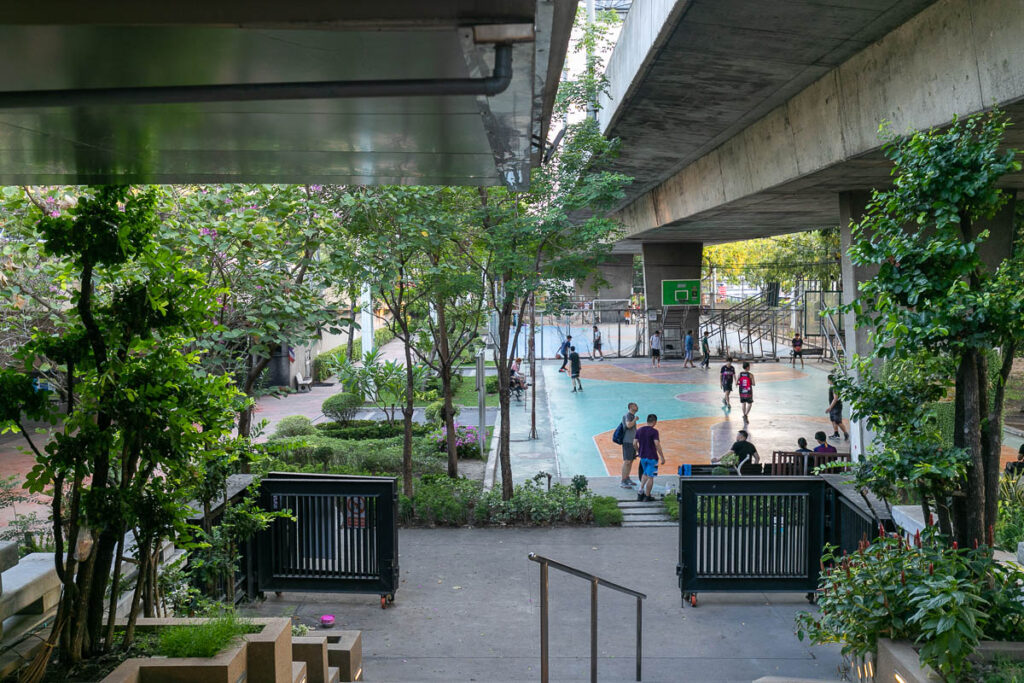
x=303, y=383
x=795, y=464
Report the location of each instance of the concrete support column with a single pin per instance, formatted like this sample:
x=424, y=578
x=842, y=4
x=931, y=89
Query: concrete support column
x=617, y=273
x=851, y=209
x=671, y=261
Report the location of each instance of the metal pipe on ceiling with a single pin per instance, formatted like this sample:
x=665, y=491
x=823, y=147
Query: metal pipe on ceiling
x=488, y=86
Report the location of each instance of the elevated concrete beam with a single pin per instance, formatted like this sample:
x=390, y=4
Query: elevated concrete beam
x=957, y=57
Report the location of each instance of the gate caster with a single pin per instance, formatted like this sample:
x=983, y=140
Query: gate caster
x=391, y=598
x=693, y=599
x=383, y=602
x=811, y=597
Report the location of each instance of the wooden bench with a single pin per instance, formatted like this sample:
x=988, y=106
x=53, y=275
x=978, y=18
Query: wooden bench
x=303, y=383
x=796, y=464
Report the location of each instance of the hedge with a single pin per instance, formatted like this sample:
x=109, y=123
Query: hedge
x=375, y=456
x=369, y=429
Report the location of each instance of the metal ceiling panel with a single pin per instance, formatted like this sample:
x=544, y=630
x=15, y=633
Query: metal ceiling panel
x=410, y=139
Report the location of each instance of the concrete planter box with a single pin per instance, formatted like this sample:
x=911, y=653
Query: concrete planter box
x=898, y=657
x=264, y=657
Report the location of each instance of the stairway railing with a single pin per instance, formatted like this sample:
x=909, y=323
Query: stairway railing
x=595, y=581
x=834, y=340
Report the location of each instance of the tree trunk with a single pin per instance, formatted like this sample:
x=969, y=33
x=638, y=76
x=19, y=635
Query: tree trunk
x=407, y=413
x=994, y=440
x=504, y=400
x=969, y=437
x=245, y=416
x=449, y=422
x=446, y=362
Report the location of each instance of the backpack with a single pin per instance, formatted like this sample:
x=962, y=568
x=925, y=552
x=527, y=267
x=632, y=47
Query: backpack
x=619, y=434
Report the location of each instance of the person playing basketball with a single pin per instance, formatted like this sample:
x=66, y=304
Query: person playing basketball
x=745, y=383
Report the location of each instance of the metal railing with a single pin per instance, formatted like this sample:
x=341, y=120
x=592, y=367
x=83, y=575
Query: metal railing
x=833, y=339
x=595, y=581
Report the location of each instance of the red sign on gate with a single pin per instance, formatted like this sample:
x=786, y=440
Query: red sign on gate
x=355, y=512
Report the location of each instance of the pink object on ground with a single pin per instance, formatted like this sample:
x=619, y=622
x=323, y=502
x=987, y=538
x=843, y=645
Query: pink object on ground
x=327, y=620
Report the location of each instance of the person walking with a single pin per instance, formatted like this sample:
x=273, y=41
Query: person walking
x=745, y=383
x=628, y=449
x=835, y=411
x=596, y=349
x=648, y=448
x=563, y=352
x=656, y=349
x=798, y=350
x=574, y=369
x=823, y=445
x=688, y=349
x=705, y=349
x=728, y=374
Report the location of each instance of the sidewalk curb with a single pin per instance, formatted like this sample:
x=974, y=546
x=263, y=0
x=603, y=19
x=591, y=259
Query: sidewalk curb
x=1013, y=431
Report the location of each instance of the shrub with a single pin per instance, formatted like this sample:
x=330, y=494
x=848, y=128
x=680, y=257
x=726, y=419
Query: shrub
x=467, y=440
x=1009, y=529
x=491, y=384
x=342, y=407
x=606, y=511
x=294, y=425
x=203, y=640
x=672, y=506
x=433, y=412
x=369, y=429
x=368, y=456
x=456, y=502
x=942, y=597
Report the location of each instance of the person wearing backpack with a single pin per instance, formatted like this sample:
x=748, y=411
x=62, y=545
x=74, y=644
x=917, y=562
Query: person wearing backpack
x=624, y=435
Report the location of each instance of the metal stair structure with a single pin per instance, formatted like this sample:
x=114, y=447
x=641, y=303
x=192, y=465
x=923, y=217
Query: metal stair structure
x=756, y=323
x=833, y=349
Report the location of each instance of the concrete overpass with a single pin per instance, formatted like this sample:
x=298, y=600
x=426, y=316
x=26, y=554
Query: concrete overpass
x=122, y=91
x=742, y=120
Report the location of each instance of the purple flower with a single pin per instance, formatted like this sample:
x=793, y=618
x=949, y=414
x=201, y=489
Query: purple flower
x=55, y=213
x=208, y=232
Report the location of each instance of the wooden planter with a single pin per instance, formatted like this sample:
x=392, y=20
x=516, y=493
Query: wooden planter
x=264, y=657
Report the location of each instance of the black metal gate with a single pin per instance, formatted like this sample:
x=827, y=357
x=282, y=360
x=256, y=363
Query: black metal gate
x=749, y=534
x=343, y=537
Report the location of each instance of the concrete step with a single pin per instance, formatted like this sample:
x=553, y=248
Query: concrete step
x=650, y=518
x=656, y=523
x=636, y=504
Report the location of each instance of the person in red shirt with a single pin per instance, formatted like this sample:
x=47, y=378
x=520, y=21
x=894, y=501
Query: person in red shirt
x=745, y=383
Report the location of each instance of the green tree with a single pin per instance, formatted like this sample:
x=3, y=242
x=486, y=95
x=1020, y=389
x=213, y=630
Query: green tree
x=264, y=246
x=141, y=415
x=558, y=231
x=933, y=294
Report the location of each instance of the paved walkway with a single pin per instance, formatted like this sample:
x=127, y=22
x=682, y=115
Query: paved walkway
x=468, y=609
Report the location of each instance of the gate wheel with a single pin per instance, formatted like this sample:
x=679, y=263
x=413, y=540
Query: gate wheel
x=383, y=602
x=693, y=599
x=811, y=597
x=391, y=598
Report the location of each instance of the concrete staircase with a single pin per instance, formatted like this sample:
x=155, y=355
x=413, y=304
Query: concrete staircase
x=635, y=513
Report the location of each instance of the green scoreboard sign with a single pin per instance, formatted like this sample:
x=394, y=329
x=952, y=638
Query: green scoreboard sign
x=680, y=292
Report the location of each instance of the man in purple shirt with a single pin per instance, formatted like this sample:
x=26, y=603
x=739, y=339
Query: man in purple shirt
x=647, y=443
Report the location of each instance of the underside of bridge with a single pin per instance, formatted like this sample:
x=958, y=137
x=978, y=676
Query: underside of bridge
x=742, y=120
x=118, y=91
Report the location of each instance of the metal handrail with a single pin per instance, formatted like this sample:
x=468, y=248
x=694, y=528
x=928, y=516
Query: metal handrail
x=832, y=333
x=595, y=581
